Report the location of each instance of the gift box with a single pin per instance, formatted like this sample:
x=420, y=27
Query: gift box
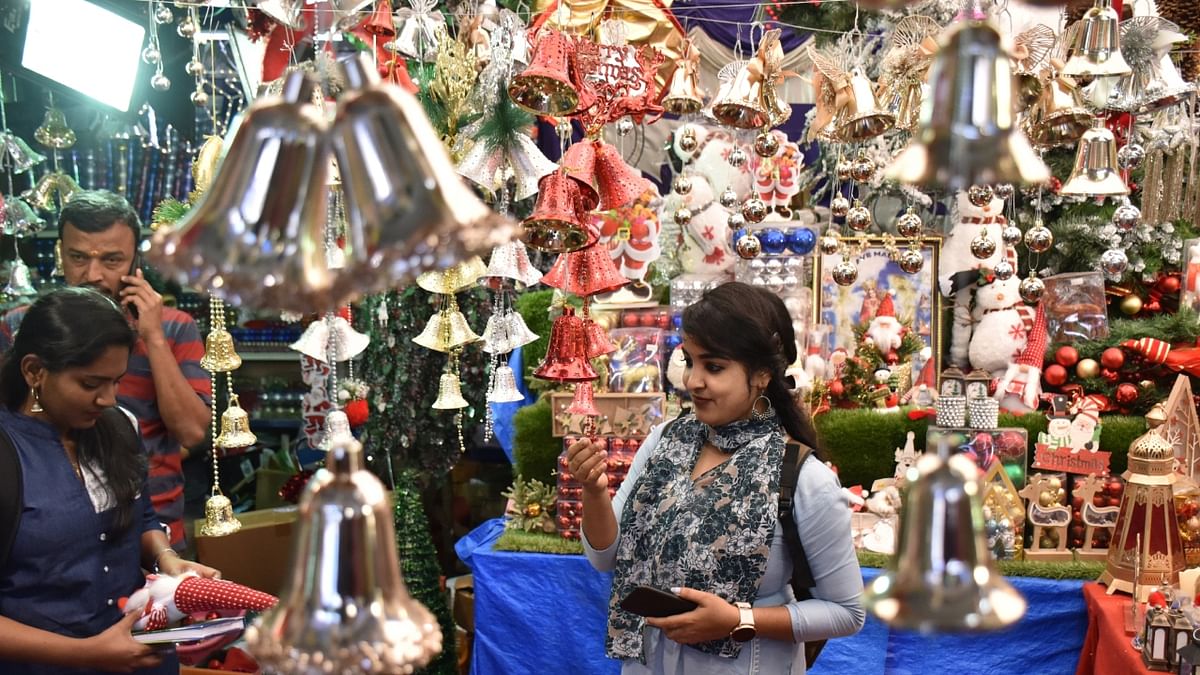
x=1009, y=445
x=258, y=555
x=630, y=415
x=1076, y=307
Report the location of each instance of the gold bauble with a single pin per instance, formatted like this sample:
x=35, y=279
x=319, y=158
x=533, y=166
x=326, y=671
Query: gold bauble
x=1131, y=305
x=533, y=510
x=1087, y=368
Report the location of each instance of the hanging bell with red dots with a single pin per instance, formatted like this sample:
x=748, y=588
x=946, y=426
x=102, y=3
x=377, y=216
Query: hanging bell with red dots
x=545, y=87
x=585, y=273
x=584, y=401
x=555, y=226
x=620, y=184
x=566, y=359
x=596, y=340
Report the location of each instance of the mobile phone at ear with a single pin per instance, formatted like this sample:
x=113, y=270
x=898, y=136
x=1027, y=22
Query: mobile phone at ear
x=133, y=268
x=654, y=602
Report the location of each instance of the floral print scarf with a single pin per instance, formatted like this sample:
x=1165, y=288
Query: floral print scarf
x=712, y=534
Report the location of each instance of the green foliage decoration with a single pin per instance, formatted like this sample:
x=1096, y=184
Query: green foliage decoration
x=535, y=450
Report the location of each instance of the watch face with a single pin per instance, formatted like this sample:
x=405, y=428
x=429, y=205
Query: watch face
x=743, y=633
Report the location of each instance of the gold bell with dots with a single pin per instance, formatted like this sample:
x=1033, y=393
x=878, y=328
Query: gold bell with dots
x=220, y=356
x=235, y=428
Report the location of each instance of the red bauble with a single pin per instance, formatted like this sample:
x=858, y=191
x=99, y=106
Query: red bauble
x=1055, y=375
x=357, y=412
x=1112, y=358
x=836, y=388
x=630, y=320
x=1066, y=356
x=1110, y=375
x=1126, y=393
x=1169, y=285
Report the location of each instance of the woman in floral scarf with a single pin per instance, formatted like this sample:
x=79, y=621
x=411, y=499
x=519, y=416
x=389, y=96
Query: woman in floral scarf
x=698, y=511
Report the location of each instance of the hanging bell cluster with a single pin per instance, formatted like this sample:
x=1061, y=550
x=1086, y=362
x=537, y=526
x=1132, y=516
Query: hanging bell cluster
x=750, y=100
x=345, y=607
x=255, y=236
x=942, y=577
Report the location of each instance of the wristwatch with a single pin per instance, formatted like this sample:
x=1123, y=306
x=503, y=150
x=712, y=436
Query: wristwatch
x=744, y=631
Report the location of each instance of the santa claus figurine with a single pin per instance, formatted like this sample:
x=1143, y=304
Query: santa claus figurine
x=165, y=600
x=885, y=331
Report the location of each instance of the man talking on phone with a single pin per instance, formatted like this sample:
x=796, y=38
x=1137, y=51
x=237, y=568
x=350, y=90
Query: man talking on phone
x=165, y=387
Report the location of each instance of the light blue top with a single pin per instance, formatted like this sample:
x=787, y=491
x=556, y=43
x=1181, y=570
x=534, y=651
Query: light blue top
x=823, y=520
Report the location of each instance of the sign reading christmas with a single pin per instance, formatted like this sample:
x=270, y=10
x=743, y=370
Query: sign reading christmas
x=1071, y=442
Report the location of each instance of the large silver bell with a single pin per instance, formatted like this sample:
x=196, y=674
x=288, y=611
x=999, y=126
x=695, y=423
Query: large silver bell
x=942, y=577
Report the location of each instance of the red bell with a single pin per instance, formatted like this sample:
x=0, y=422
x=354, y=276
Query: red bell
x=620, y=184
x=545, y=87
x=554, y=226
x=380, y=22
x=596, y=339
x=584, y=401
x=566, y=359
x=586, y=272
x=579, y=161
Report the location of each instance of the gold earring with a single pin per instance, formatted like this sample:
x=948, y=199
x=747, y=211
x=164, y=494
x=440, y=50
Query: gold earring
x=37, y=402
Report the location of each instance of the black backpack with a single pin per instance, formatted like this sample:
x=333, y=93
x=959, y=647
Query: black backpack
x=11, y=496
x=802, y=577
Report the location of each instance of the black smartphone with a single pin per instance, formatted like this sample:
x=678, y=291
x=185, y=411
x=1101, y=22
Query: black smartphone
x=133, y=268
x=650, y=601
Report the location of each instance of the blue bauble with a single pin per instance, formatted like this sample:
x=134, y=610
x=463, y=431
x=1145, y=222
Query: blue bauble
x=773, y=240
x=677, y=320
x=801, y=240
x=672, y=341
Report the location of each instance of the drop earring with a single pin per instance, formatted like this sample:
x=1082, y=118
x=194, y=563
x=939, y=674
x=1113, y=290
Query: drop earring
x=37, y=402
x=764, y=415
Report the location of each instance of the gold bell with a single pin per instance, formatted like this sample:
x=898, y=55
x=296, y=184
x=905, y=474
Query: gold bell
x=446, y=330
x=738, y=103
x=235, y=428
x=54, y=132
x=901, y=98
x=1058, y=117
x=1097, y=47
x=458, y=277
x=220, y=356
x=449, y=393
x=861, y=117
x=968, y=133
x=208, y=158
x=683, y=95
x=218, y=517
x=1096, y=172
x=942, y=577
x=58, y=266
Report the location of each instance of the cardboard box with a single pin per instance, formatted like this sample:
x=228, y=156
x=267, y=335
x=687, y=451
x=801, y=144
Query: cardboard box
x=258, y=555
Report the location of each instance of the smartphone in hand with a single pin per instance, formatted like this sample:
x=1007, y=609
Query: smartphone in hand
x=654, y=602
x=133, y=268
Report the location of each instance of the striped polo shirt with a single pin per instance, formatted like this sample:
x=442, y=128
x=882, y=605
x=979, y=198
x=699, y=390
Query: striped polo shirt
x=137, y=395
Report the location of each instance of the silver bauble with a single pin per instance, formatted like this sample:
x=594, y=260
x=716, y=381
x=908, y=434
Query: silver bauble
x=862, y=168
x=844, y=273
x=688, y=142
x=199, y=98
x=737, y=158
x=766, y=144
x=911, y=261
x=829, y=244
x=754, y=210
x=980, y=195
x=186, y=28
x=151, y=56
x=1130, y=156
x=909, y=224
x=1039, y=239
x=683, y=216
x=1004, y=190
x=1032, y=289
x=839, y=206
x=194, y=68
x=748, y=246
x=160, y=82
x=843, y=170
x=1003, y=270
x=624, y=126
x=1127, y=216
x=163, y=14
x=736, y=221
x=1011, y=235
x=858, y=218
x=983, y=246
x=729, y=199
x=682, y=184
x=1114, y=262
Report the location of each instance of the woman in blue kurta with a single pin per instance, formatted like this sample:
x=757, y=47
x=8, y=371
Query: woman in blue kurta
x=85, y=528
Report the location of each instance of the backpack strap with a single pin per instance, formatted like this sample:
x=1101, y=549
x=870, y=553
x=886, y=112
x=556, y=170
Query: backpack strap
x=802, y=577
x=11, y=497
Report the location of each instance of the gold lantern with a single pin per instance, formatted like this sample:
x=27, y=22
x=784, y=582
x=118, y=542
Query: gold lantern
x=1146, y=525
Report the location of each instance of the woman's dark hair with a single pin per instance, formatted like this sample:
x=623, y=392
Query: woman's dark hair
x=69, y=328
x=752, y=326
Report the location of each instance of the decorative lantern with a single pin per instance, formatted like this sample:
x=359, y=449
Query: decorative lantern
x=953, y=382
x=1189, y=659
x=977, y=383
x=1156, y=639
x=1147, y=516
x=1181, y=633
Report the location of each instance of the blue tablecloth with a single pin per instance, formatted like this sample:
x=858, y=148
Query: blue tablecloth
x=546, y=614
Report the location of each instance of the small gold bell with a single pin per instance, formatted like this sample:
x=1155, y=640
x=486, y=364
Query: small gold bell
x=219, y=353
x=54, y=132
x=218, y=517
x=235, y=428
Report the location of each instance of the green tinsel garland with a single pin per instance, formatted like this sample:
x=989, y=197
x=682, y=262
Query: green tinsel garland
x=169, y=211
